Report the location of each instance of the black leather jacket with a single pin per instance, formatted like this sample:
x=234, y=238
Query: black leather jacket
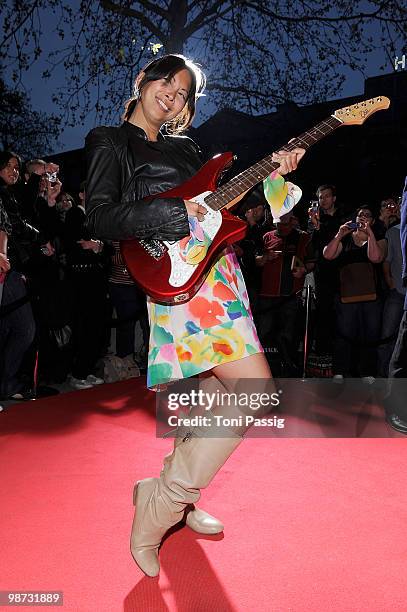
x=23, y=239
x=123, y=168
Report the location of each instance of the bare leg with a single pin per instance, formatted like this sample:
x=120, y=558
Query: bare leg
x=249, y=375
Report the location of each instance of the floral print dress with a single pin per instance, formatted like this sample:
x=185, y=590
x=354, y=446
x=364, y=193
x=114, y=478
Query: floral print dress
x=214, y=327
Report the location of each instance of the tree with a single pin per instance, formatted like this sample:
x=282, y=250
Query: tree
x=23, y=130
x=256, y=53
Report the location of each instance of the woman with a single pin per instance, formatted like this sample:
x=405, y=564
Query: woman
x=64, y=202
x=126, y=164
x=358, y=307
x=17, y=326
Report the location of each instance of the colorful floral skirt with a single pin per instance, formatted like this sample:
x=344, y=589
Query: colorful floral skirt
x=214, y=327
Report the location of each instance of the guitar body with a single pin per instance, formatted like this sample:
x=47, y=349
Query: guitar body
x=166, y=271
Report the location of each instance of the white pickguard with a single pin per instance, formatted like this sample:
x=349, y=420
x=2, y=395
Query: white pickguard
x=181, y=271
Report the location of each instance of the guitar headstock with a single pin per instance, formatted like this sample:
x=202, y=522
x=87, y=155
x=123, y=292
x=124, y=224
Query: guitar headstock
x=356, y=114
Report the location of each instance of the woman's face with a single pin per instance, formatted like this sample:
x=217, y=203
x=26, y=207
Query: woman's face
x=163, y=100
x=10, y=172
x=64, y=203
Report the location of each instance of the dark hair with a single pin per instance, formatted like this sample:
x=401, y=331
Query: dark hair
x=327, y=186
x=165, y=68
x=386, y=200
x=5, y=157
x=365, y=208
x=68, y=196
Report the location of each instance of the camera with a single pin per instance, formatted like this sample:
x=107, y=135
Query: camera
x=52, y=178
x=314, y=206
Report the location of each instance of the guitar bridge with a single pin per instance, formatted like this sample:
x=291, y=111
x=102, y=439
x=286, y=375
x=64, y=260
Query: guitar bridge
x=155, y=248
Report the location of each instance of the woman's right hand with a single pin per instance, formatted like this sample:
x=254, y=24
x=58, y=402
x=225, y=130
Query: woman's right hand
x=4, y=263
x=195, y=210
x=344, y=230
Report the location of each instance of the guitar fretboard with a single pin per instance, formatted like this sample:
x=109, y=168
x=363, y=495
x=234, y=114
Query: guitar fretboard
x=260, y=170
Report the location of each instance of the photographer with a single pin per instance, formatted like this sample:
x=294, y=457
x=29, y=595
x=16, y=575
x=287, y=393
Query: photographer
x=39, y=195
x=358, y=304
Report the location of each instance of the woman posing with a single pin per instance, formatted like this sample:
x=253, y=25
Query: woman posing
x=213, y=332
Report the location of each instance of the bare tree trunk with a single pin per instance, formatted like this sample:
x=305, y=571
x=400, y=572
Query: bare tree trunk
x=177, y=19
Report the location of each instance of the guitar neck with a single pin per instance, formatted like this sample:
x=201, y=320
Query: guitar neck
x=260, y=170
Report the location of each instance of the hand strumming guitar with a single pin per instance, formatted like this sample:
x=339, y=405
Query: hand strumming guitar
x=195, y=210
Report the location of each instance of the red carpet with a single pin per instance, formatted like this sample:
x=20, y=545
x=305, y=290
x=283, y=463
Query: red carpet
x=311, y=524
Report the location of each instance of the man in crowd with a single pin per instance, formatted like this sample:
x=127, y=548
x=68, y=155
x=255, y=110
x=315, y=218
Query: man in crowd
x=287, y=257
x=394, y=301
x=396, y=405
x=325, y=220
x=86, y=274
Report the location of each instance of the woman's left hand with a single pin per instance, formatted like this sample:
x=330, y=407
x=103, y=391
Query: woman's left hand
x=365, y=226
x=53, y=191
x=288, y=160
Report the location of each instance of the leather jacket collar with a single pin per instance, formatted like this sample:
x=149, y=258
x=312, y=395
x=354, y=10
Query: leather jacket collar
x=138, y=131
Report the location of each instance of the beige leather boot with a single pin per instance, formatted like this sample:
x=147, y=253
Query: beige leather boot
x=161, y=502
x=197, y=519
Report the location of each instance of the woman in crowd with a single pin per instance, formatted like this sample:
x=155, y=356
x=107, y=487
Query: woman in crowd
x=358, y=307
x=17, y=326
x=213, y=333
x=64, y=202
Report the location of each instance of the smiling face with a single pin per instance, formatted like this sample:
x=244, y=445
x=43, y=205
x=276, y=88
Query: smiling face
x=10, y=172
x=161, y=100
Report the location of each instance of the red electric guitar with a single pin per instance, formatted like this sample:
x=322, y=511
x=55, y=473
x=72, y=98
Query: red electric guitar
x=172, y=272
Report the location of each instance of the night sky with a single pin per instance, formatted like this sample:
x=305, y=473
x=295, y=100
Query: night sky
x=40, y=91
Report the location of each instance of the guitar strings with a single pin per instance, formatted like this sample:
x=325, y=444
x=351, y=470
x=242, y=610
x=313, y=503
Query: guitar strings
x=260, y=170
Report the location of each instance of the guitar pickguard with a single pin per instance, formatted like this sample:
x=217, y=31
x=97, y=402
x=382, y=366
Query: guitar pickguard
x=186, y=254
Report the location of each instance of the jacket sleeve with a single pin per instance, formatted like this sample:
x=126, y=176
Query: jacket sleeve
x=5, y=225
x=403, y=234
x=111, y=218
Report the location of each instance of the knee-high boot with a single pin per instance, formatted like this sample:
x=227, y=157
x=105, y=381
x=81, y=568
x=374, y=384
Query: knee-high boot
x=197, y=519
x=161, y=502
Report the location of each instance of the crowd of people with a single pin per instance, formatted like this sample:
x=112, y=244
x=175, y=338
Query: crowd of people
x=59, y=287
x=352, y=261
x=63, y=290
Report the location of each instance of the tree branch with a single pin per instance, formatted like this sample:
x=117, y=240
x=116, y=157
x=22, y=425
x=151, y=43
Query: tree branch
x=147, y=23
